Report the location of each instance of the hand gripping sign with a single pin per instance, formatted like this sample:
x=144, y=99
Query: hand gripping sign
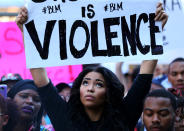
x=69, y=32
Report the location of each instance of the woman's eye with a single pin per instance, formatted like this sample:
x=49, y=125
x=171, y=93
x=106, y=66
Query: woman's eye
x=23, y=96
x=99, y=85
x=85, y=83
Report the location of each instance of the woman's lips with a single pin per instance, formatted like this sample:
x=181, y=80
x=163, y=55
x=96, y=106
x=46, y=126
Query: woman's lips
x=27, y=109
x=89, y=97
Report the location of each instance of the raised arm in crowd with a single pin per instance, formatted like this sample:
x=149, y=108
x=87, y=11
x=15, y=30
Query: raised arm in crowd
x=97, y=101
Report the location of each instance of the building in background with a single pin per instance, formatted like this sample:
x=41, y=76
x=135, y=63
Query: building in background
x=9, y=9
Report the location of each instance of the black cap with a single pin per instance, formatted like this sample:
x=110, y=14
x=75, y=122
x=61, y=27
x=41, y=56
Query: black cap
x=62, y=86
x=21, y=85
x=10, y=77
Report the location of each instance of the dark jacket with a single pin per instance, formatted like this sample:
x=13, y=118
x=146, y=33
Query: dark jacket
x=58, y=109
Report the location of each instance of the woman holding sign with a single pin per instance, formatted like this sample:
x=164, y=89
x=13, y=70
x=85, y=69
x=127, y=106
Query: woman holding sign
x=96, y=102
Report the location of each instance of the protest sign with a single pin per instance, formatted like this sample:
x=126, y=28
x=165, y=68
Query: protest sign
x=174, y=30
x=172, y=34
x=12, y=57
x=90, y=31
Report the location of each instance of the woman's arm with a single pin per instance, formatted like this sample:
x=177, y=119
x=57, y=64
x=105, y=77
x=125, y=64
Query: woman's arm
x=54, y=105
x=39, y=76
x=148, y=66
x=133, y=102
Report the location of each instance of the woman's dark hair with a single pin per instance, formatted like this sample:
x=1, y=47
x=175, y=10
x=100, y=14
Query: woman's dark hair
x=3, y=105
x=8, y=107
x=114, y=97
x=14, y=115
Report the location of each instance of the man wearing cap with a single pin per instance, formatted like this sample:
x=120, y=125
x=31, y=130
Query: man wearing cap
x=10, y=80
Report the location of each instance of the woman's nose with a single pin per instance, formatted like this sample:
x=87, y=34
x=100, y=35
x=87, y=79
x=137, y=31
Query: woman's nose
x=91, y=88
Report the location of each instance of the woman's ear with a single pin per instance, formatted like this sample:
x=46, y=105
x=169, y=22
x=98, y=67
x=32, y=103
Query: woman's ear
x=5, y=119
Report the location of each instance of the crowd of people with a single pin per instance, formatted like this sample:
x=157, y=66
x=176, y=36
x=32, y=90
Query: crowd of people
x=98, y=99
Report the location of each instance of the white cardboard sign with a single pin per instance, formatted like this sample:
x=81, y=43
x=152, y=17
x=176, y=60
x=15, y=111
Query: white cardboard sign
x=70, y=32
x=174, y=30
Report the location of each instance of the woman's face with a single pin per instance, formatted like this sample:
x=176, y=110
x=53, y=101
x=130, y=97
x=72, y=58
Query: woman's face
x=28, y=102
x=93, y=90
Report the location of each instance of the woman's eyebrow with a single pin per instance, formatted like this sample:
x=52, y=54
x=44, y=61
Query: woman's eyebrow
x=23, y=93
x=86, y=78
x=100, y=80
x=28, y=94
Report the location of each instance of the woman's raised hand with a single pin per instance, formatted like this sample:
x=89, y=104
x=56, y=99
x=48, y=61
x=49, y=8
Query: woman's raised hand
x=22, y=17
x=161, y=15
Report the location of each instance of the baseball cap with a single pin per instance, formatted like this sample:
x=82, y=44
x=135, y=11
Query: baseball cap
x=10, y=77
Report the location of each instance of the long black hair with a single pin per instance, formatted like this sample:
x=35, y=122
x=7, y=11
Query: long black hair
x=8, y=107
x=114, y=96
x=13, y=115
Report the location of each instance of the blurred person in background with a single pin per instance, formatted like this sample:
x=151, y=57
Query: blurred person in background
x=179, y=121
x=9, y=114
x=128, y=78
x=10, y=79
x=161, y=69
x=176, y=76
x=158, y=71
x=64, y=91
x=157, y=83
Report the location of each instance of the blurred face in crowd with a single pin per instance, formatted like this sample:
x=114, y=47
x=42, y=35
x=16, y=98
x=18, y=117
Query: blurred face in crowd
x=158, y=71
x=65, y=93
x=176, y=74
x=158, y=114
x=93, y=91
x=28, y=102
x=179, y=121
